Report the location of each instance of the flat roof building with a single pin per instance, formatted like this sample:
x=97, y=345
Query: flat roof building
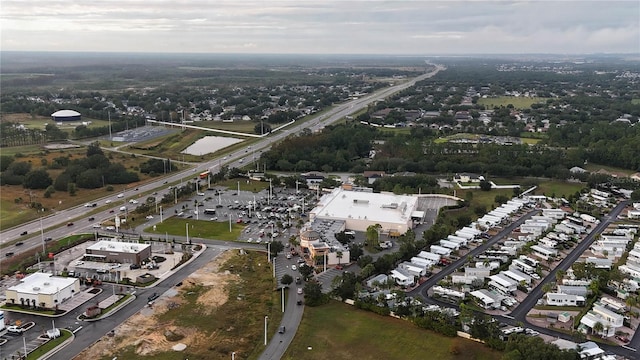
x=42, y=290
x=361, y=209
x=120, y=252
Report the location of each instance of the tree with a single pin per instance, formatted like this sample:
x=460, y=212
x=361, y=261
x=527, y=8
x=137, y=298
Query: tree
x=373, y=234
x=339, y=256
x=344, y=285
x=37, y=179
x=306, y=271
x=547, y=287
x=485, y=185
x=598, y=328
x=276, y=247
x=286, y=279
x=313, y=295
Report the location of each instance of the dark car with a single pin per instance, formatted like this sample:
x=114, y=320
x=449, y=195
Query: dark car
x=134, y=266
x=24, y=233
x=9, y=254
x=91, y=218
x=69, y=224
x=19, y=243
x=281, y=330
x=299, y=302
x=153, y=297
x=48, y=239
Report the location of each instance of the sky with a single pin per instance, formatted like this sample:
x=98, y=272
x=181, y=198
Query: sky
x=420, y=27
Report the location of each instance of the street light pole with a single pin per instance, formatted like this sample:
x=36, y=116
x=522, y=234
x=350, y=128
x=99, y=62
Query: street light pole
x=160, y=214
x=233, y=355
x=282, y=298
x=44, y=248
x=265, y=329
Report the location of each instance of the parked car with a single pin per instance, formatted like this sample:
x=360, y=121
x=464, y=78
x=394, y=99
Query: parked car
x=15, y=329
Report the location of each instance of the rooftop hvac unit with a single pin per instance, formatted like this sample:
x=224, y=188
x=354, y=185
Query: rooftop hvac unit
x=36, y=288
x=47, y=283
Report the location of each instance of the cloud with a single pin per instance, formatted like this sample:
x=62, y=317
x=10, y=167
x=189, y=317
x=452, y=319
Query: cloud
x=366, y=26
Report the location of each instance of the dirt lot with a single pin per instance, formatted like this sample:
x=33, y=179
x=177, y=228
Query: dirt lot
x=148, y=335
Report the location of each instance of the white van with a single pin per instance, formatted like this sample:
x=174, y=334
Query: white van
x=124, y=208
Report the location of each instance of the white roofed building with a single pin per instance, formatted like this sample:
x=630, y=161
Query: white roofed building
x=361, y=209
x=120, y=252
x=43, y=290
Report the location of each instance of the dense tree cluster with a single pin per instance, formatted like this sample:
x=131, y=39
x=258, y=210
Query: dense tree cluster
x=337, y=148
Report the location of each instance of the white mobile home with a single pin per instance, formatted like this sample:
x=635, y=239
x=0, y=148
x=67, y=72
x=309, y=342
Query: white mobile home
x=478, y=272
x=522, y=266
x=429, y=256
x=503, y=284
x=450, y=293
x=466, y=235
x=402, y=278
x=413, y=269
x=427, y=263
x=558, y=299
x=449, y=244
x=517, y=276
x=544, y=252
x=440, y=250
x=458, y=239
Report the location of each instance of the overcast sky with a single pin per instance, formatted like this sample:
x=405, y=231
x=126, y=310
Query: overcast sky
x=322, y=27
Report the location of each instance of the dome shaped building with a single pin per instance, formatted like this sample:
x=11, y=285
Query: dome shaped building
x=66, y=115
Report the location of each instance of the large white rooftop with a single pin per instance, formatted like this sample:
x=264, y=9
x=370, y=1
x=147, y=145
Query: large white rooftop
x=42, y=283
x=117, y=246
x=374, y=207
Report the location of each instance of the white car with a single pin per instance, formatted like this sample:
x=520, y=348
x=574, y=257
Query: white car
x=96, y=226
x=133, y=201
x=299, y=291
x=293, y=267
x=149, y=217
x=535, y=276
x=120, y=195
x=108, y=201
x=15, y=329
x=78, y=263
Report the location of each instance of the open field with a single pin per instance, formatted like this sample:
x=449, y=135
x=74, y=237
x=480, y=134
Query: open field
x=517, y=102
x=530, y=141
x=219, y=309
x=559, y=188
x=198, y=229
x=614, y=170
x=339, y=331
x=39, y=122
x=239, y=126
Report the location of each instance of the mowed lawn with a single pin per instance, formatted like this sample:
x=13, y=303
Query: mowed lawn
x=517, y=102
x=205, y=229
x=340, y=331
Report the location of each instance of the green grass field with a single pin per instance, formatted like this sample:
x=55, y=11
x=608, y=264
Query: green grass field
x=339, y=331
x=635, y=101
x=517, y=102
x=198, y=229
x=615, y=170
x=245, y=185
x=530, y=141
x=559, y=188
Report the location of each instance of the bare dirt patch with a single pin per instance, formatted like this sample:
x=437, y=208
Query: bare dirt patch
x=147, y=335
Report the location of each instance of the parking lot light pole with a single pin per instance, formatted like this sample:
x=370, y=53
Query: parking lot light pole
x=160, y=214
x=233, y=355
x=265, y=329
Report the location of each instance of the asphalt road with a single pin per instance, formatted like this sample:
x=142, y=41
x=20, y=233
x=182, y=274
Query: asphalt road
x=79, y=215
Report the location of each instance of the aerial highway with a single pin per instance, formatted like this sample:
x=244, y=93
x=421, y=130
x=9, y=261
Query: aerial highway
x=78, y=216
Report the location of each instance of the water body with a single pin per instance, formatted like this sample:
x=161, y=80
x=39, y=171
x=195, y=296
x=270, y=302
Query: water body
x=209, y=144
